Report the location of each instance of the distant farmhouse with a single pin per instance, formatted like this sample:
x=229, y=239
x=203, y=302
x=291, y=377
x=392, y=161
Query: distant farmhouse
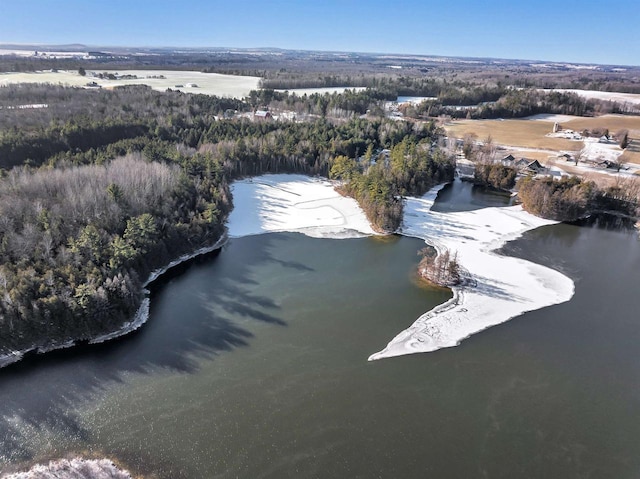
x=508, y=160
x=535, y=166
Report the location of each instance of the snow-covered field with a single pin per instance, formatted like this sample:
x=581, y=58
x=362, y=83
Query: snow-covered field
x=42, y=54
x=207, y=83
x=414, y=99
x=275, y=203
x=595, y=151
x=551, y=117
x=604, y=95
x=501, y=287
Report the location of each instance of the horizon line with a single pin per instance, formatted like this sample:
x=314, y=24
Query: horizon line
x=266, y=48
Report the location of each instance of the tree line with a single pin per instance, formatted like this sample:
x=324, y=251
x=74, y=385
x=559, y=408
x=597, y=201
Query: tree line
x=518, y=103
x=572, y=198
x=442, y=269
x=495, y=174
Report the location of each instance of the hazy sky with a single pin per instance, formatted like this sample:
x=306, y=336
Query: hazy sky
x=559, y=30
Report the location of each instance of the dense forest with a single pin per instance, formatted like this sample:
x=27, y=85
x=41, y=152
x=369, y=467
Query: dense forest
x=424, y=80
x=76, y=243
x=496, y=175
x=378, y=184
x=102, y=187
x=455, y=99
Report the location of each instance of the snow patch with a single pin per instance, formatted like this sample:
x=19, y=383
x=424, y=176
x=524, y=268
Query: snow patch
x=552, y=117
x=321, y=90
x=594, y=150
x=73, y=469
x=297, y=203
x=632, y=98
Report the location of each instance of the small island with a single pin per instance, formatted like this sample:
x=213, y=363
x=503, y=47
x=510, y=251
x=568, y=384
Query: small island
x=440, y=267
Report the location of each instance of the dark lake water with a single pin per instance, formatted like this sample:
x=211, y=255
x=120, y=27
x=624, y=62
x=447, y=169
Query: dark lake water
x=254, y=365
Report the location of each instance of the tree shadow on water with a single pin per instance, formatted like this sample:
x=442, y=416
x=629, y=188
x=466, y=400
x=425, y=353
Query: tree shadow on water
x=204, y=312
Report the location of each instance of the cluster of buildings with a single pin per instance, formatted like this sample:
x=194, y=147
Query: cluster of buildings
x=523, y=165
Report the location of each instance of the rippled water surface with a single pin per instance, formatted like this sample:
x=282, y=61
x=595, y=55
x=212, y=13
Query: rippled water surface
x=253, y=364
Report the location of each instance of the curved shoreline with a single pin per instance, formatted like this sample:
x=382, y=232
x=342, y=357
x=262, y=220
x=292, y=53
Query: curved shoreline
x=502, y=287
x=299, y=203
x=140, y=317
x=339, y=217
x=294, y=203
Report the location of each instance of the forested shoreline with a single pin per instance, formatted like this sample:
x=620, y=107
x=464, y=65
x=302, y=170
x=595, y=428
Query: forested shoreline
x=572, y=198
x=379, y=184
x=77, y=243
x=108, y=186
x=102, y=187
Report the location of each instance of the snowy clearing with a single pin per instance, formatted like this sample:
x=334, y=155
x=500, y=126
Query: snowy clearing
x=42, y=54
x=603, y=95
x=551, y=117
x=594, y=150
x=277, y=203
x=414, y=99
x=207, y=83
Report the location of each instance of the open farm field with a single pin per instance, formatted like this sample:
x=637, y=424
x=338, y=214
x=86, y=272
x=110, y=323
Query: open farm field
x=632, y=157
x=612, y=122
x=207, y=83
x=515, y=133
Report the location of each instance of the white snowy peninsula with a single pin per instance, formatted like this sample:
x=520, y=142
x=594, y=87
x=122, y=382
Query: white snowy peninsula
x=73, y=469
x=501, y=287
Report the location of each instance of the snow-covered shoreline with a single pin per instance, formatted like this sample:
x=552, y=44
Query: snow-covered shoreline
x=142, y=314
x=501, y=287
x=76, y=468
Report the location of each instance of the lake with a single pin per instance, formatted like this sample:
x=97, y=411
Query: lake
x=253, y=364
